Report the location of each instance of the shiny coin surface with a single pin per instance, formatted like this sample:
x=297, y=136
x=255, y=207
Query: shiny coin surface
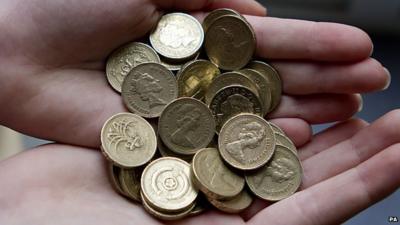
x=228, y=79
x=246, y=142
x=148, y=89
x=177, y=36
x=213, y=178
x=167, y=186
x=230, y=42
x=214, y=15
x=235, y=205
x=113, y=173
x=234, y=100
x=186, y=126
x=130, y=183
x=128, y=140
x=283, y=140
x=279, y=179
x=263, y=87
x=274, y=79
x=124, y=59
x=164, y=215
x=195, y=78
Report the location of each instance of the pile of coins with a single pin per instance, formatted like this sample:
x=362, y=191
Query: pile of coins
x=204, y=143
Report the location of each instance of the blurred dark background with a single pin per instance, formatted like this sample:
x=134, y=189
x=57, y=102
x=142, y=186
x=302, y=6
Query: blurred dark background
x=381, y=19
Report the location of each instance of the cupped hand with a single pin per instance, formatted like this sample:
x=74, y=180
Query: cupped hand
x=52, y=56
x=347, y=168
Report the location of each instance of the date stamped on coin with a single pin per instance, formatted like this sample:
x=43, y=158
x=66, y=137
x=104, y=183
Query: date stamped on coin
x=393, y=219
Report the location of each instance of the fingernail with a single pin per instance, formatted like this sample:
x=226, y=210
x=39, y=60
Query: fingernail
x=360, y=103
x=389, y=79
x=372, y=50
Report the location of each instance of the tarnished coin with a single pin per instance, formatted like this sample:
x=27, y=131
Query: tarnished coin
x=186, y=126
x=274, y=79
x=235, y=205
x=246, y=142
x=213, y=178
x=177, y=36
x=166, y=216
x=130, y=183
x=113, y=174
x=167, y=186
x=166, y=152
x=279, y=179
x=128, y=140
x=263, y=87
x=285, y=141
x=124, y=59
x=148, y=88
x=228, y=79
x=195, y=78
x=212, y=16
x=276, y=128
x=230, y=42
x=234, y=100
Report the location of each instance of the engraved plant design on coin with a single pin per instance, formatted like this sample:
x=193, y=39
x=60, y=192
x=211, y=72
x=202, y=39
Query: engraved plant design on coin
x=177, y=36
x=128, y=140
x=166, y=184
x=148, y=88
x=125, y=58
x=279, y=179
x=247, y=142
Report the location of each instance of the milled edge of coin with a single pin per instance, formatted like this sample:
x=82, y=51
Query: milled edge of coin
x=113, y=175
x=274, y=77
x=215, y=14
x=204, y=187
x=130, y=107
x=151, y=37
x=105, y=151
x=166, y=152
x=247, y=58
x=236, y=205
x=118, y=51
x=126, y=187
x=242, y=167
x=154, y=205
x=289, y=143
x=165, y=216
x=165, y=136
x=271, y=198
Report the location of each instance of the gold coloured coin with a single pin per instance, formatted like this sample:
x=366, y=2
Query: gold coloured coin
x=246, y=142
x=125, y=58
x=230, y=42
x=276, y=128
x=186, y=126
x=166, y=152
x=213, y=178
x=285, y=141
x=263, y=87
x=130, y=183
x=274, y=79
x=177, y=36
x=212, y=16
x=128, y=140
x=233, y=100
x=195, y=78
x=279, y=179
x=235, y=205
x=148, y=88
x=228, y=79
x=167, y=186
x=113, y=173
x=163, y=215
x=201, y=205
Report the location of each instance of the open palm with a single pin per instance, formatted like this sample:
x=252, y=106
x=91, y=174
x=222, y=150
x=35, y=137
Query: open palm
x=53, y=86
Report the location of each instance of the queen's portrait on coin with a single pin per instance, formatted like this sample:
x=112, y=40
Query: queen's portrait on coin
x=148, y=88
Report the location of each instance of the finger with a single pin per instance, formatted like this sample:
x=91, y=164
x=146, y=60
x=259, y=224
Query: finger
x=315, y=109
x=298, y=130
x=249, y=7
x=349, y=153
x=301, y=78
x=341, y=197
x=331, y=136
x=297, y=39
